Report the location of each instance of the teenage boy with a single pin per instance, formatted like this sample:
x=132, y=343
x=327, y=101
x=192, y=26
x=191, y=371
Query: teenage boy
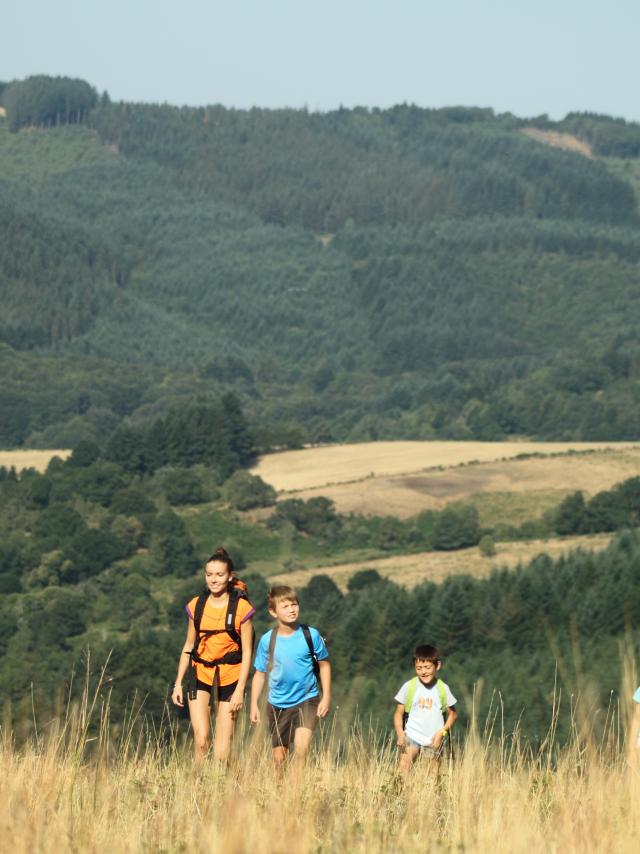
x=425, y=710
x=294, y=657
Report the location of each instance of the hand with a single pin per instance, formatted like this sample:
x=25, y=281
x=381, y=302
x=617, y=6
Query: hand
x=176, y=696
x=237, y=700
x=401, y=742
x=254, y=714
x=437, y=740
x=323, y=707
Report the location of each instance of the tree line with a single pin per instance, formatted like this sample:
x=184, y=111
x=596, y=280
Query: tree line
x=45, y=101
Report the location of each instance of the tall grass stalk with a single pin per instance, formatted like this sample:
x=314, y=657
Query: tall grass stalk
x=77, y=786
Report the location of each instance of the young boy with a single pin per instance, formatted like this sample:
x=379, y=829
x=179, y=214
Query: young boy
x=290, y=655
x=426, y=699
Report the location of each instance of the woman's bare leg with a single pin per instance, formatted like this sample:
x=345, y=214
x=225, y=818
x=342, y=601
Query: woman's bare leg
x=200, y=714
x=225, y=724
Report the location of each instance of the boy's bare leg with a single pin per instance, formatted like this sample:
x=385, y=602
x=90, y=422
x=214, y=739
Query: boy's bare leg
x=280, y=757
x=301, y=745
x=225, y=723
x=200, y=714
x=407, y=758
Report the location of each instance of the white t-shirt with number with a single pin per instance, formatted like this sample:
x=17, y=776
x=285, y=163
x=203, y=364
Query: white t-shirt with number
x=425, y=716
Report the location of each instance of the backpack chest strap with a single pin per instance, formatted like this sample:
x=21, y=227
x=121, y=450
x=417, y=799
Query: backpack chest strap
x=234, y=657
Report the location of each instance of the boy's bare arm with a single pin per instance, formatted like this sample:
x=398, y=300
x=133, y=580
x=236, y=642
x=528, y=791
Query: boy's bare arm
x=452, y=716
x=257, y=685
x=398, y=720
x=246, y=635
x=325, y=682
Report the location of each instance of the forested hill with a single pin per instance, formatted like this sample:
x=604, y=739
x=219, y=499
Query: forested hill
x=358, y=274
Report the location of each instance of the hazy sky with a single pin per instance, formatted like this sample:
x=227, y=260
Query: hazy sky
x=524, y=56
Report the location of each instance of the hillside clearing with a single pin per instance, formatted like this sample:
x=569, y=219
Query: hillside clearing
x=30, y=459
x=410, y=570
x=565, y=141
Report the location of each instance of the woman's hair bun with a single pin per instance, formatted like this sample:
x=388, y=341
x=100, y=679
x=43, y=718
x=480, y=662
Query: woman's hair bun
x=221, y=555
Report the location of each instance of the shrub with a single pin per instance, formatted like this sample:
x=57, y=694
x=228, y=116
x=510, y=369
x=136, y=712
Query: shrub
x=132, y=502
x=171, y=547
x=570, y=516
x=182, y=486
x=363, y=578
x=84, y=454
x=487, y=546
x=316, y=516
x=456, y=527
x=245, y=491
x=318, y=590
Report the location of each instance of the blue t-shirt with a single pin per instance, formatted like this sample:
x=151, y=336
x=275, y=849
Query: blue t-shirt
x=292, y=679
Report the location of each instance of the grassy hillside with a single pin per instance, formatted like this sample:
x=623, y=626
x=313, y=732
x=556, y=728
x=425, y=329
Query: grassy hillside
x=471, y=282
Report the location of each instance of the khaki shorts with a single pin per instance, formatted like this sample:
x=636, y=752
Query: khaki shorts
x=284, y=722
x=426, y=749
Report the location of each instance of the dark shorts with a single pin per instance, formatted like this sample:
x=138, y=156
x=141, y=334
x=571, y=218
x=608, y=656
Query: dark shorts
x=284, y=722
x=224, y=691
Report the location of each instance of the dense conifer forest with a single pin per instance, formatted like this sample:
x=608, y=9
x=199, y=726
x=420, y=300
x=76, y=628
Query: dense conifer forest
x=351, y=275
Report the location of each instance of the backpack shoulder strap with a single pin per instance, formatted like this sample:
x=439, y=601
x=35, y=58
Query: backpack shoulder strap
x=230, y=619
x=199, y=610
x=197, y=620
x=314, y=658
x=442, y=693
x=411, y=692
x=272, y=649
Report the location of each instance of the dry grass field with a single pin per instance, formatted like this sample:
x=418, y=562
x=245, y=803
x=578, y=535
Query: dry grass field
x=404, y=478
x=409, y=570
x=26, y=459
x=78, y=788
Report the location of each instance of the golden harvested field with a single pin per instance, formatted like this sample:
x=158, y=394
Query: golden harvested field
x=25, y=459
x=409, y=570
x=313, y=467
x=404, y=478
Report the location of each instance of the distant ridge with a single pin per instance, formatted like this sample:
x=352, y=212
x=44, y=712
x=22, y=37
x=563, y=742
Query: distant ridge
x=357, y=275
